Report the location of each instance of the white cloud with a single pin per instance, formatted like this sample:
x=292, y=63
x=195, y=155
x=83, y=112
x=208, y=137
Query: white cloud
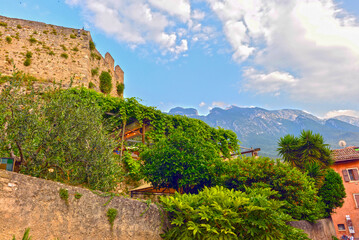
x=313, y=40
x=202, y=104
x=335, y=113
x=180, y=8
x=218, y=104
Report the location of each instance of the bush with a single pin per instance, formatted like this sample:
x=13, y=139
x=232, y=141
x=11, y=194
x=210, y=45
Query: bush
x=72, y=36
x=91, y=85
x=28, y=54
x=64, y=194
x=119, y=88
x=92, y=45
x=8, y=39
x=3, y=24
x=295, y=188
x=132, y=167
x=63, y=47
x=27, y=62
x=95, y=56
x=51, y=53
x=220, y=213
x=75, y=49
x=332, y=192
x=111, y=215
x=64, y=55
x=19, y=26
x=32, y=40
x=94, y=71
x=105, y=82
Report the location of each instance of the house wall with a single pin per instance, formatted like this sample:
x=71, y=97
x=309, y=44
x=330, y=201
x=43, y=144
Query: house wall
x=349, y=206
x=46, y=62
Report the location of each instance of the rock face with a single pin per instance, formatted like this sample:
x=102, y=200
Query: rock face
x=322, y=229
x=58, y=54
x=35, y=203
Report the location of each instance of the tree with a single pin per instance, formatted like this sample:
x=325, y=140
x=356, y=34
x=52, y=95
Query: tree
x=58, y=136
x=105, y=82
x=293, y=187
x=183, y=160
x=305, y=149
x=332, y=192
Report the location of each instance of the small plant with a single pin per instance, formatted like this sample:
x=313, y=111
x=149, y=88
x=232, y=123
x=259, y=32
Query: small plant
x=111, y=215
x=28, y=54
x=17, y=36
x=75, y=49
x=19, y=26
x=27, y=62
x=54, y=31
x=63, y=47
x=92, y=85
x=32, y=40
x=3, y=24
x=92, y=45
x=95, y=56
x=35, y=32
x=94, y=71
x=105, y=82
x=78, y=195
x=51, y=53
x=26, y=235
x=84, y=33
x=72, y=36
x=64, y=194
x=45, y=31
x=119, y=88
x=8, y=39
x=64, y=55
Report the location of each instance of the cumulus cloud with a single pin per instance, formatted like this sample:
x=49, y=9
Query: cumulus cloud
x=335, y=113
x=307, y=48
x=202, y=104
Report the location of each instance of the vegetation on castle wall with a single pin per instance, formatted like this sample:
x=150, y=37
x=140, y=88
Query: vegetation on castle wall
x=18, y=26
x=64, y=55
x=32, y=40
x=72, y=36
x=94, y=72
x=63, y=47
x=92, y=45
x=120, y=87
x=3, y=24
x=27, y=62
x=92, y=85
x=111, y=215
x=105, y=82
x=8, y=39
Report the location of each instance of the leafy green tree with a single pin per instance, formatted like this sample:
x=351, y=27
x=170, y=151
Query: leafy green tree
x=183, y=160
x=305, y=149
x=58, y=136
x=293, y=187
x=332, y=192
x=220, y=213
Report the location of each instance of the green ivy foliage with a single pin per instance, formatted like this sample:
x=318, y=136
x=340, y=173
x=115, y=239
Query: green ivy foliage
x=293, y=187
x=220, y=213
x=119, y=89
x=132, y=167
x=105, y=82
x=332, y=192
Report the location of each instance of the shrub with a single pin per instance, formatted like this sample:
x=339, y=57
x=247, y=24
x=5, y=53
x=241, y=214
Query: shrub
x=64, y=55
x=27, y=62
x=28, y=54
x=332, y=192
x=132, y=166
x=35, y=32
x=295, y=188
x=63, y=47
x=54, y=31
x=95, y=56
x=119, y=88
x=91, y=85
x=32, y=40
x=3, y=24
x=45, y=31
x=105, y=82
x=220, y=213
x=92, y=45
x=78, y=195
x=8, y=39
x=72, y=36
x=94, y=71
x=75, y=49
x=111, y=215
x=64, y=194
x=19, y=26
x=51, y=53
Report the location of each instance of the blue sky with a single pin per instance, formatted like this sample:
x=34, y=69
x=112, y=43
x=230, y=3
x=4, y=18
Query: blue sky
x=300, y=54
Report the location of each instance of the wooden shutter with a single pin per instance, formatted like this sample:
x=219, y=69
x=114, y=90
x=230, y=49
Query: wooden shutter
x=345, y=175
x=356, y=198
x=355, y=174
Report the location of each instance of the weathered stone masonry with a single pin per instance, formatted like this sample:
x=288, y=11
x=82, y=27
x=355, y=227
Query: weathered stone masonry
x=32, y=202
x=47, y=43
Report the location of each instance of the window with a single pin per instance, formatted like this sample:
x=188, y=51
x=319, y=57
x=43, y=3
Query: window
x=341, y=227
x=350, y=174
x=356, y=199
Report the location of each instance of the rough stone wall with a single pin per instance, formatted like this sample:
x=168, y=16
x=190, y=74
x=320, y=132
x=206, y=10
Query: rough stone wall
x=32, y=202
x=47, y=43
x=322, y=229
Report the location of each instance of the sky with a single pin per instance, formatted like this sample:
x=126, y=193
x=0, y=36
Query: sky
x=274, y=54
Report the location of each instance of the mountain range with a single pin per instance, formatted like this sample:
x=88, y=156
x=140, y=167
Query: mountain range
x=262, y=128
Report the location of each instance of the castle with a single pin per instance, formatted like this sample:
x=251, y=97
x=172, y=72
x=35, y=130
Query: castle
x=53, y=53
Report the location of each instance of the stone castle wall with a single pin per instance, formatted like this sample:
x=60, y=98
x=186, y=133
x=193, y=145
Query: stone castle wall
x=28, y=202
x=49, y=45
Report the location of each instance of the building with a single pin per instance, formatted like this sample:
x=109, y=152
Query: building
x=346, y=218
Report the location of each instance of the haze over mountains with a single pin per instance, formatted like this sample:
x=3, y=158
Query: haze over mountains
x=258, y=127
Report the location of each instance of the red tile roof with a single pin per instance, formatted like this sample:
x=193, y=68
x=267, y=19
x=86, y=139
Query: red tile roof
x=346, y=154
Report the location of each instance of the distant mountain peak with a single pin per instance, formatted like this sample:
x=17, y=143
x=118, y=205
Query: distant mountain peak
x=189, y=112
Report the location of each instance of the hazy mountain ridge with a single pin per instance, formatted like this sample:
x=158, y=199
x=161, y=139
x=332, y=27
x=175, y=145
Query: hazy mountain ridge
x=258, y=127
